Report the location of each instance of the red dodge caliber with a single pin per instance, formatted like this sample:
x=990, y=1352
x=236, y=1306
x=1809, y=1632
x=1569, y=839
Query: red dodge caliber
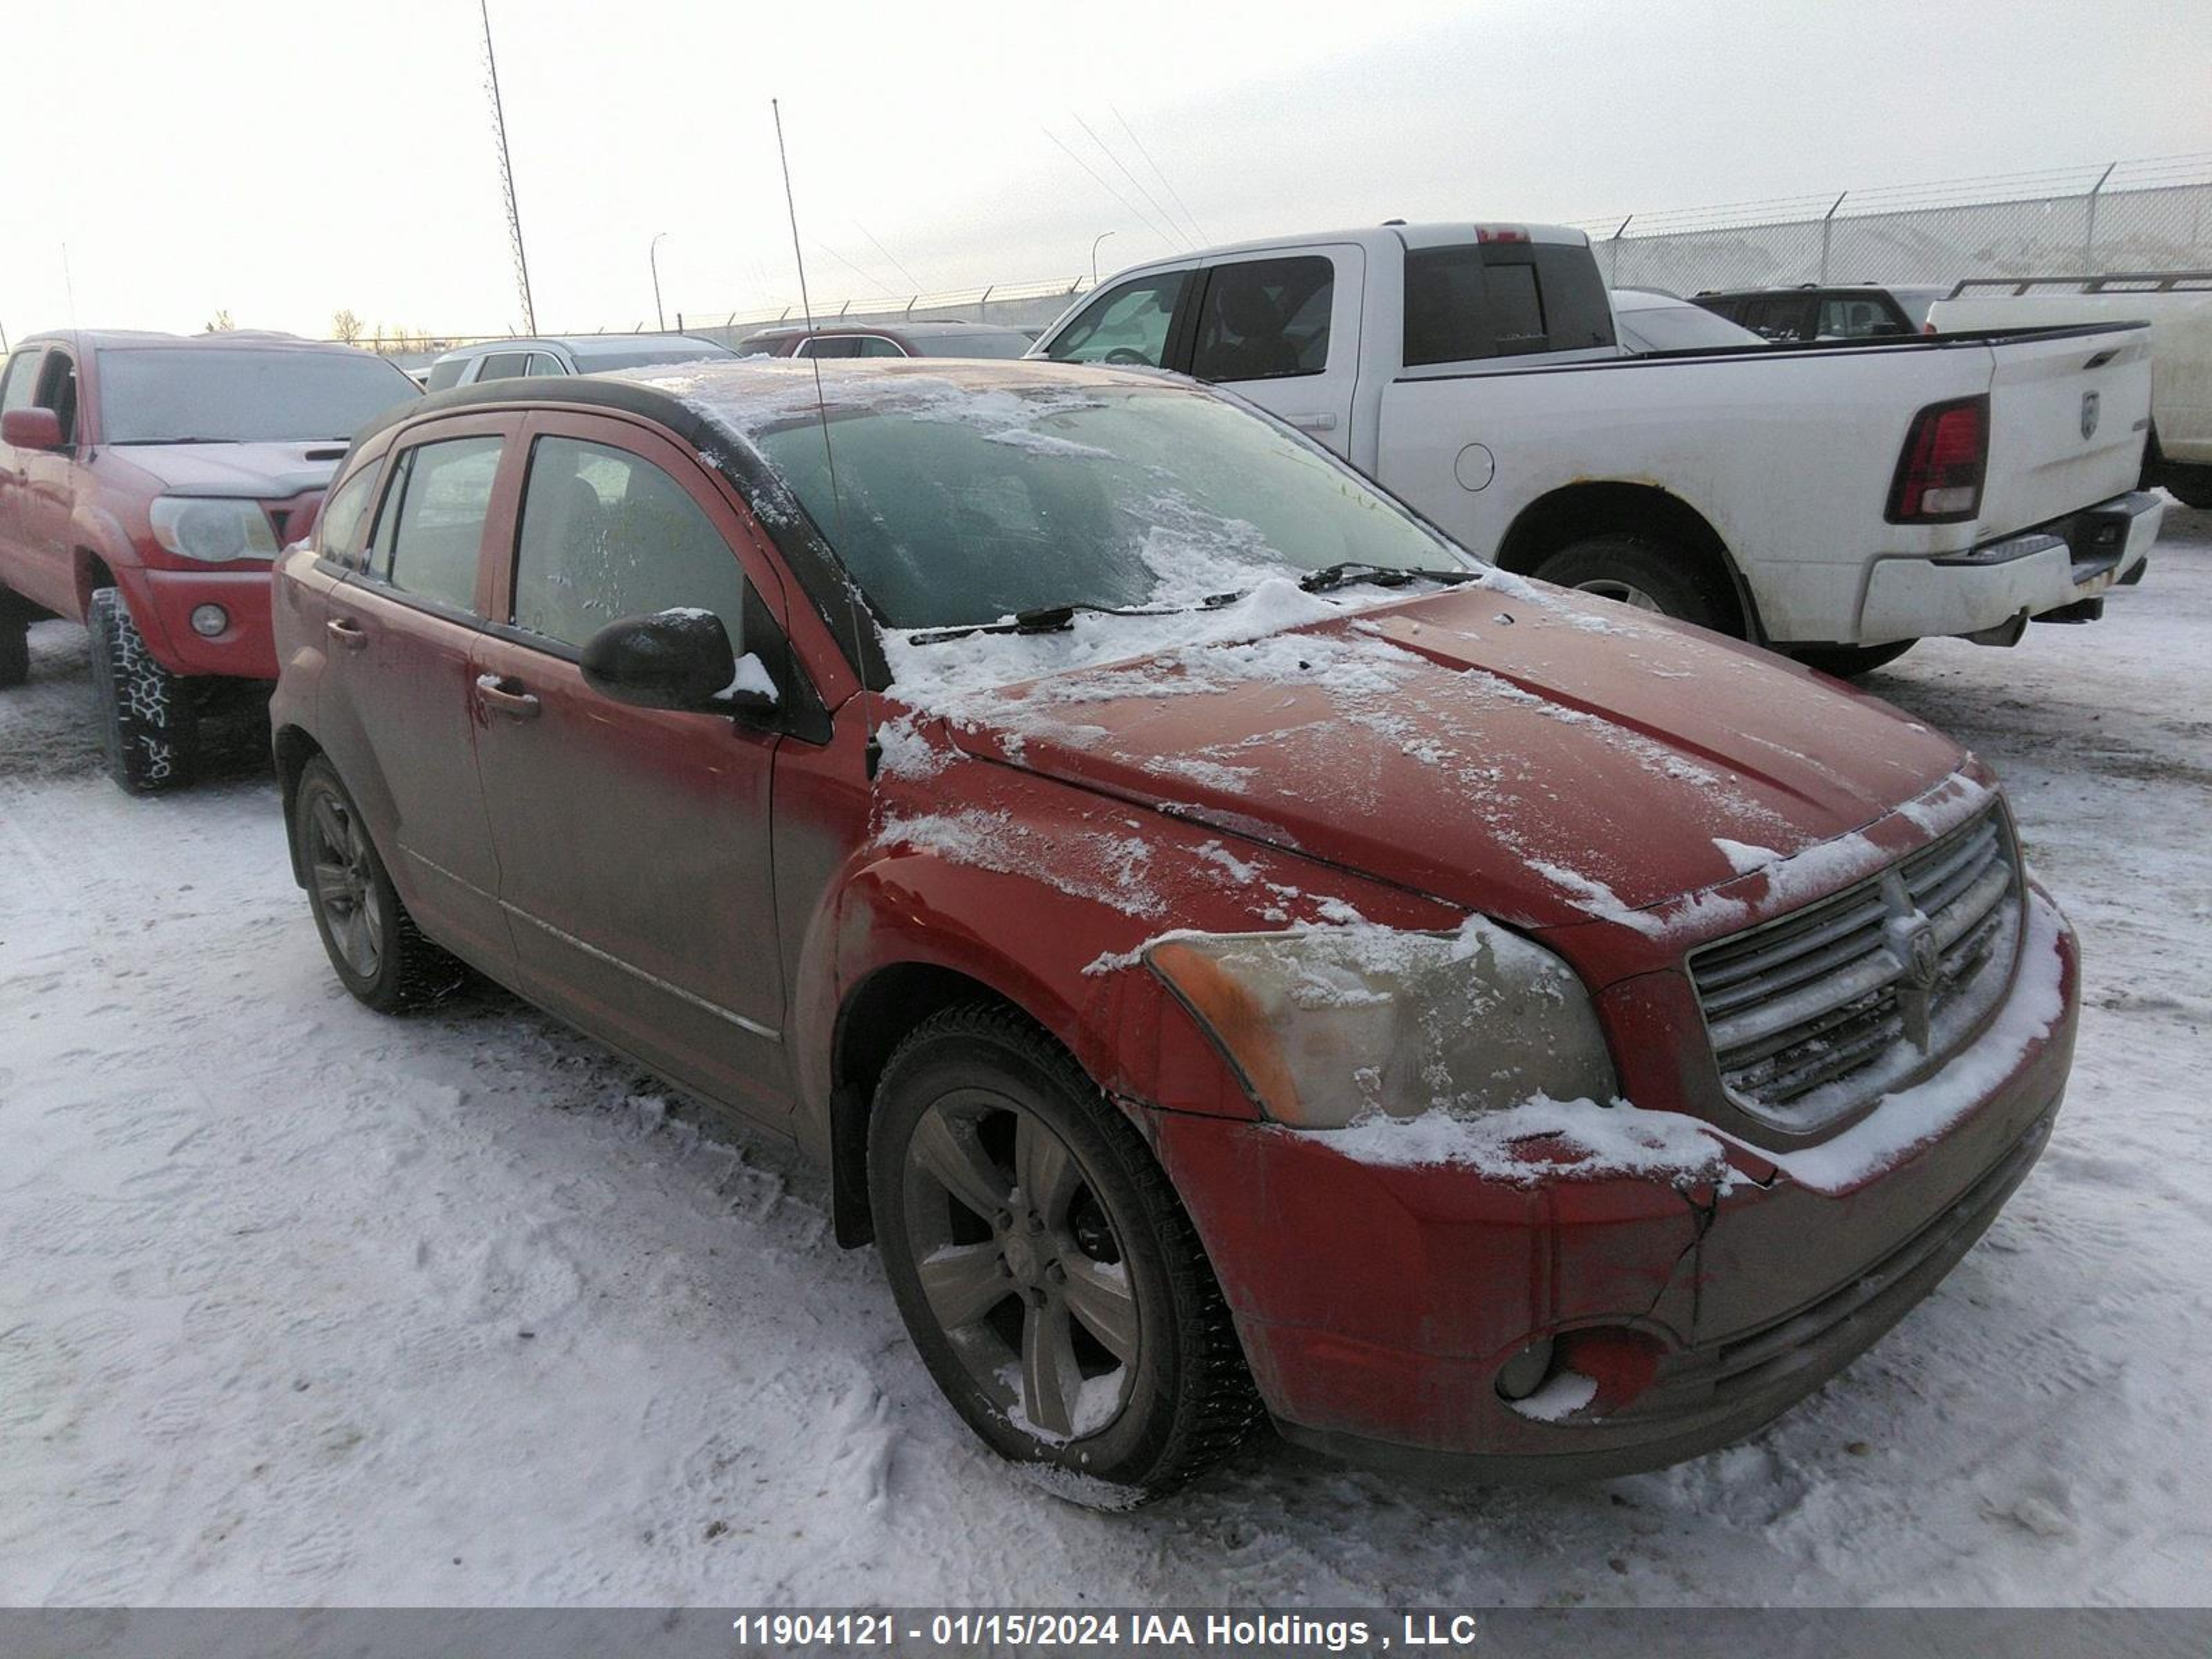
x=1238, y=958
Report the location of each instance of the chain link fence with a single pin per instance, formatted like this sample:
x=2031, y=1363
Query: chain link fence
x=2123, y=216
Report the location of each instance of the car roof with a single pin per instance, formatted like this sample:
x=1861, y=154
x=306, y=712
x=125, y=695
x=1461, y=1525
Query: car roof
x=1373, y=238
x=581, y=346
x=136, y=339
x=1644, y=299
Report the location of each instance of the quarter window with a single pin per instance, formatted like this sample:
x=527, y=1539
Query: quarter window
x=431, y=529
x=874, y=345
x=606, y=534
x=1265, y=318
x=344, y=522
x=1125, y=325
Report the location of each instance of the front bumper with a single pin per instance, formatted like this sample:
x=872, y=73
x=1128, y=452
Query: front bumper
x=161, y=603
x=1993, y=588
x=1378, y=1304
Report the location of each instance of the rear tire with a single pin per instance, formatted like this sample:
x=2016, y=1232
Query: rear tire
x=149, y=729
x=14, y=641
x=379, y=953
x=1645, y=575
x=1070, y=1316
x=2193, y=488
x=1848, y=662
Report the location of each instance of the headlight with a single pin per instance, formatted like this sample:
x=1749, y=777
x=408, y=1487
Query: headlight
x=213, y=530
x=1329, y=1024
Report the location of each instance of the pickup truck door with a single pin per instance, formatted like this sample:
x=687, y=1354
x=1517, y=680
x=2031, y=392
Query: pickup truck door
x=45, y=494
x=1282, y=330
x=15, y=389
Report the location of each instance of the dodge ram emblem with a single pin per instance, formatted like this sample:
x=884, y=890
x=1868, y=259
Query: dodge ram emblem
x=2091, y=406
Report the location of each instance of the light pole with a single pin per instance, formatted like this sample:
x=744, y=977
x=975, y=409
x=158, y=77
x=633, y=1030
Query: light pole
x=653, y=258
x=1095, y=240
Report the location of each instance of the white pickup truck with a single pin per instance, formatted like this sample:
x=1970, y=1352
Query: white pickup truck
x=2177, y=305
x=1836, y=499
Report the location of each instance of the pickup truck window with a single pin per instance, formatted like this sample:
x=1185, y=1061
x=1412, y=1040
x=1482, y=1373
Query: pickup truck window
x=22, y=376
x=435, y=506
x=1502, y=299
x=606, y=534
x=1264, y=319
x=1125, y=325
x=241, y=395
x=58, y=391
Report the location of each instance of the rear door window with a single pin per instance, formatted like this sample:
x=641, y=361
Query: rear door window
x=1471, y=301
x=1128, y=323
x=431, y=528
x=1778, y=316
x=833, y=345
x=606, y=534
x=504, y=366
x=544, y=363
x=445, y=374
x=1264, y=319
x=1857, y=316
x=875, y=345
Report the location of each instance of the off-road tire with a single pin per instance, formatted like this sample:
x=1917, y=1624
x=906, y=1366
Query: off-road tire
x=14, y=641
x=1675, y=582
x=1191, y=1400
x=410, y=971
x=148, y=727
x=1848, y=662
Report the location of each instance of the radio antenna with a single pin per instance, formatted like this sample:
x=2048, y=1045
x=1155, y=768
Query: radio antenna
x=873, y=754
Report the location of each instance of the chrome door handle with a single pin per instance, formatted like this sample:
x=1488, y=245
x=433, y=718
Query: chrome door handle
x=499, y=700
x=347, y=633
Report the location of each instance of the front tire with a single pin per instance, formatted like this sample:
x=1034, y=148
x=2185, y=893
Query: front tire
x=1045, y=1271
x=1645, y=574
x=379, y=953
x=149, y=729
x=1848, y=662
x=14, y=641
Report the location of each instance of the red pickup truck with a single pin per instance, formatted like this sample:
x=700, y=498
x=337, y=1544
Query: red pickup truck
x=146, y=482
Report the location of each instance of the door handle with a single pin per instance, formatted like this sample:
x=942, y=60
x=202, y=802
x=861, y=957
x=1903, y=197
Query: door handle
x=1312, y=422
x=347, y=633
x=500, y=699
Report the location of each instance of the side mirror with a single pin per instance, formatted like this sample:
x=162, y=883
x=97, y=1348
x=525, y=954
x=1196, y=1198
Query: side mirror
x=31, y=428
x=678, y=660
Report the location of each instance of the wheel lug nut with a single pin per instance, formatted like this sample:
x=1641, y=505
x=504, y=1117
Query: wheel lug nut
x=1036, y=1224
x=1036, y=1298
x=1054, y=1273
x=1003, y=1220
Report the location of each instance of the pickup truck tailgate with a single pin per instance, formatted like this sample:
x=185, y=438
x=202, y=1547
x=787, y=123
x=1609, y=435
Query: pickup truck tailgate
x=2069, y=414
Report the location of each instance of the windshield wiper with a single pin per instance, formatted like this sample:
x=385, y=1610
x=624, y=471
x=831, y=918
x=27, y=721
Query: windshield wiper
x=117, y=443
x=1058, y=618
x=1382, y=575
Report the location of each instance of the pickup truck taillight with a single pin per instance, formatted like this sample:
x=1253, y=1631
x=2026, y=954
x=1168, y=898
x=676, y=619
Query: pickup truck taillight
x=1939, y=475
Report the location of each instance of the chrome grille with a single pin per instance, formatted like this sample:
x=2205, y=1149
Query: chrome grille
x=1814, y=1014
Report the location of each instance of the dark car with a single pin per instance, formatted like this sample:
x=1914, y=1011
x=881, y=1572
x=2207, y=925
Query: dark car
x=146, y=482
x=1237, y=956
x=902, y=340
x=1863, y=310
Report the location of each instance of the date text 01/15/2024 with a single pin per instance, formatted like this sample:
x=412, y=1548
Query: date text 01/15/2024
x=1204, y=1633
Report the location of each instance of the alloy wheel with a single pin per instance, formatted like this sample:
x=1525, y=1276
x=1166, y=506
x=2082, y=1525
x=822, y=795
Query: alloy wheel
x=342, y=878
x=1021, y=1265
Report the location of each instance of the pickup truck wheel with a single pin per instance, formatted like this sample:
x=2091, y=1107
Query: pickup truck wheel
x=1645, y=575
x=379, y=954
x=1044, y=1266
x=1848, y=662
x=149, y=729
x=2193, y=490
x=14, y=641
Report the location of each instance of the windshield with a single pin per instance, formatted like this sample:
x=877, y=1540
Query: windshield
x=1002, y=343
x=957, y=508
x=1682, y=327
x=157, y=396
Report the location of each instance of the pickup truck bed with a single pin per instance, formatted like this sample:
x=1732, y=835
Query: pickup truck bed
x=1836, y=499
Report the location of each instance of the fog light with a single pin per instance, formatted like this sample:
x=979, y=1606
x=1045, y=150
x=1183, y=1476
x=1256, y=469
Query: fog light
x=209, y=620
x=1522, y=1374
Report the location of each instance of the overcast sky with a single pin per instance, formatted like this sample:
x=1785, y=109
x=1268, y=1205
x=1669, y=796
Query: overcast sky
x=283, y=160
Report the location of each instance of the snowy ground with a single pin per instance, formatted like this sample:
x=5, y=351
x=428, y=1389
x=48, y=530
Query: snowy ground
x=300, y=1305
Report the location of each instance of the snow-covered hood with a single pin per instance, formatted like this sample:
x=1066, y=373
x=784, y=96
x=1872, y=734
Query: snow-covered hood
x=1539, y=755
x=264, y=471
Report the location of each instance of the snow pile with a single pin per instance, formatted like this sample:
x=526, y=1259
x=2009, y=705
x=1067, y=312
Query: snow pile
x=1540, y=1139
